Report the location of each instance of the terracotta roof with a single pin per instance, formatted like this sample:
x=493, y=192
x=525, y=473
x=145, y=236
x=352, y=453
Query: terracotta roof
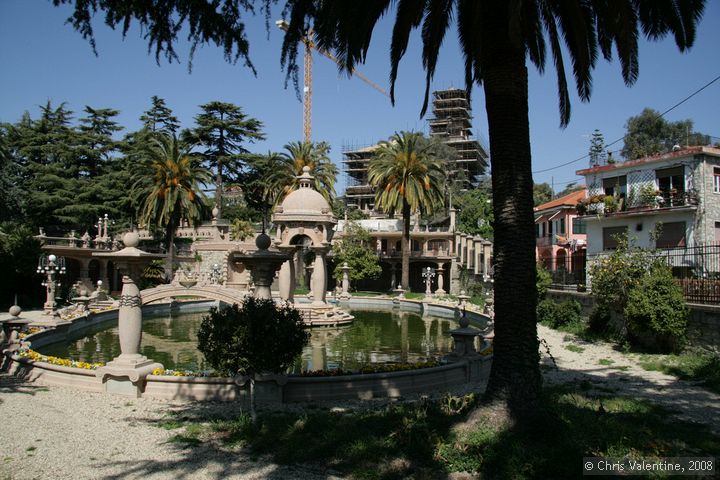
x=684, y=152
x=571, y=199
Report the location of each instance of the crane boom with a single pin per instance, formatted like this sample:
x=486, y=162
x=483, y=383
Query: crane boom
x=307, y=88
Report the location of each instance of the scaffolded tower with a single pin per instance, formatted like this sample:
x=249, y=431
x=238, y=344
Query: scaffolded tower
x=452, y=123
x=356, y=160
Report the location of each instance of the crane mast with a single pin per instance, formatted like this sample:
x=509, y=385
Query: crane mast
x=308, y=80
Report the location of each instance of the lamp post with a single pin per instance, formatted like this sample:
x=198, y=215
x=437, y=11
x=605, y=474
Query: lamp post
x=428, y=274
x=215, y=275
x=50, y=265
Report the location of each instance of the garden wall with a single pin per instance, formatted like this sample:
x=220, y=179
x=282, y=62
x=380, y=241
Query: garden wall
x=703, y=323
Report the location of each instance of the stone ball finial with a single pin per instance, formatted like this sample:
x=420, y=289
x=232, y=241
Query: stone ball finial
x=215, y=212
x=306, y=170
x=263, y=241
x=131, y=239
x=15, y=311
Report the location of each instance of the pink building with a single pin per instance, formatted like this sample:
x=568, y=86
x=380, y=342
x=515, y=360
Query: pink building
x=560, y=238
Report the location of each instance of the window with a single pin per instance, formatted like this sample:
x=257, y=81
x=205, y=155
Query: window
x=716, y=180
x=615, y=185
x=672, y=234
x=610, y=235
x=562, y=226
x=578, y=226
x=537, y=230
x=671, y=179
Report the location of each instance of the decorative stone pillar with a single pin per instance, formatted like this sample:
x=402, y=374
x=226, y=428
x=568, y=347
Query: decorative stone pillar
x=130, y=365
x=393, y=277
x=345, y=282
x=318, y=281
x=440, y=281
x=286, y=281
x=85, y=274
x=464, y=340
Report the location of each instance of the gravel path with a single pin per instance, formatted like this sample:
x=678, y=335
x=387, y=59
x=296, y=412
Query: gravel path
x=610, y=371
x=64, y=434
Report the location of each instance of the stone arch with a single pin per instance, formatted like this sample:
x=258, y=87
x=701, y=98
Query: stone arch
x=222, y=294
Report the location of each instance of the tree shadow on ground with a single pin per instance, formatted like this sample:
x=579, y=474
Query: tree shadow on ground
x=684, y=400
x=396, y=440
x=18, y=384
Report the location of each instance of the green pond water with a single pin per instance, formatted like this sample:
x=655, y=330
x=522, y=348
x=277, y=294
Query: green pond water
x=374, y=337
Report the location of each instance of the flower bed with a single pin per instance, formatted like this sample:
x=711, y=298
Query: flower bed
x=63, y=362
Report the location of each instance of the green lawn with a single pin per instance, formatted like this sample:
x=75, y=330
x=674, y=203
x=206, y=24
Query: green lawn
x=695, y=365
x=419, y=440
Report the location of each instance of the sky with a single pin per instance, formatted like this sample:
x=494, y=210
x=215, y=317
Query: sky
x=44, y=59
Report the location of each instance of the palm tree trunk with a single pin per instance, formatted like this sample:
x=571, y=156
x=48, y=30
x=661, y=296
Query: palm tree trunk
x=169, y=245
x=405, y=247
x=515, y=375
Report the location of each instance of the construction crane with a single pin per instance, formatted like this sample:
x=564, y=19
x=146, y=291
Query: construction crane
x=307, y=40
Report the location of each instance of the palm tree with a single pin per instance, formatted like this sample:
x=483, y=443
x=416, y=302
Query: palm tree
x=300, y=154
x=409, y=178
x=167, y=188
x=497, y=39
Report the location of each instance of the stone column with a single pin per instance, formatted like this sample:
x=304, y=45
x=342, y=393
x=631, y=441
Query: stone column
x=440, y=271
x=130, y=321
x=105, y=275
x=286, y=281
x=345, y=282
x=126, y=373
x=85, y=274
x=318, y=281
x=50, y=294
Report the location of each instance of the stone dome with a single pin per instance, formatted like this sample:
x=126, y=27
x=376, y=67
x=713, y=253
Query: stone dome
x=305, y=200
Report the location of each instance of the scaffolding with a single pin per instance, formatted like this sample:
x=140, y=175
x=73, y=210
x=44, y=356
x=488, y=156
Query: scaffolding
x=452, y=123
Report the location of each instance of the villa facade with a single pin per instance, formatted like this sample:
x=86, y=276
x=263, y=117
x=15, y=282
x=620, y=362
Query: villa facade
x=560, y=238
x=441, y=248
x=664, y=201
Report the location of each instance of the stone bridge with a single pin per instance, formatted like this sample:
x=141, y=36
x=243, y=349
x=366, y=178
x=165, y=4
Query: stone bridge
x=212, y=292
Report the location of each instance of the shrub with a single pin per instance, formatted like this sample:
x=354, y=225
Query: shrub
x=599, y=321
x=637, y=298
x=656, y=313
x=256, y=337
x=556, y=315
x=543, y=280
x=547, y=312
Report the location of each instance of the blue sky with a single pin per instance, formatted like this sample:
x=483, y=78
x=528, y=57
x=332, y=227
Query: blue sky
x=42, y=58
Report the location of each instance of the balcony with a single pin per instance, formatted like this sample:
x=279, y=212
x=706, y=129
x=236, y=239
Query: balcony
x=643, y=202
x=548, y=240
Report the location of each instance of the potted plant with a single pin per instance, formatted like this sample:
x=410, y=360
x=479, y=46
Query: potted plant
x=611, y=204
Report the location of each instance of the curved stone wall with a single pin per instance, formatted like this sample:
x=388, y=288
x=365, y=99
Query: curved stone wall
x=278, y=389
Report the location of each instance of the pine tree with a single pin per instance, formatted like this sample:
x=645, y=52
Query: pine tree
x=97, y=145
x=159, y=118
x=221, y=130
x=597, y=153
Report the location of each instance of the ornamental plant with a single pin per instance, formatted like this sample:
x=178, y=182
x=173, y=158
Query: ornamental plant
x=656, y=312
x=255, y=337
x=636, y=296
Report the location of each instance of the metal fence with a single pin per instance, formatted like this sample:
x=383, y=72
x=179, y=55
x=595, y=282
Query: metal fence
x=696, y=269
